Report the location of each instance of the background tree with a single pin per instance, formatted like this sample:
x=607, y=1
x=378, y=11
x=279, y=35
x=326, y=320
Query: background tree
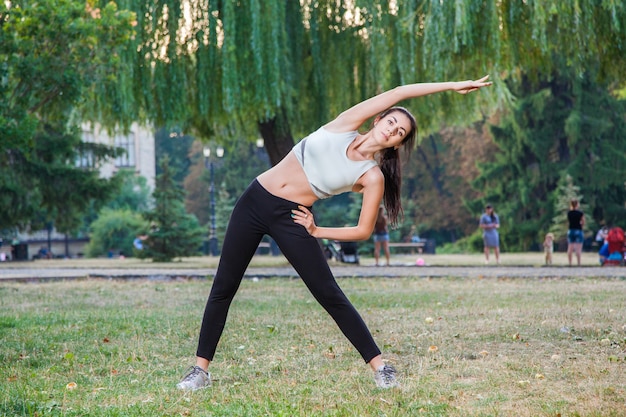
x=281, y=77
x=51, y=54
x=438, y=182
x=134, y=193
x=173, y=233
x=560, y=125
x=177, y=146
x=223, y=63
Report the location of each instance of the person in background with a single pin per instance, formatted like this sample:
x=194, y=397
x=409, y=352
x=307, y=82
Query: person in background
x=603, y=253
x=575, y=236
x=381, y=236
x=412, y=236
x=490, y=222
x=601, y=235
x=138, y=242
x=548, y=247
x=334, y=159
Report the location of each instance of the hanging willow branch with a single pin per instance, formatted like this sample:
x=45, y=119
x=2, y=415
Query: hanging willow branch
x=208, y=62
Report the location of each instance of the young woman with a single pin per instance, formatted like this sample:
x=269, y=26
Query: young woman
x=490, y=222
x=334, y=159
x=575, y=236
x=381, y=236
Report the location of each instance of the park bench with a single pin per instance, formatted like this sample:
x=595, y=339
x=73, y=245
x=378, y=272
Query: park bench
x=411, y=245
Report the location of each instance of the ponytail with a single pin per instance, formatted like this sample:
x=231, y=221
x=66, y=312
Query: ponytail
x=390, y=166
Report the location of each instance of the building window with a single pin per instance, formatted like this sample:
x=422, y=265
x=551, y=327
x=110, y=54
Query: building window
x=85, y=159
x=127, y=143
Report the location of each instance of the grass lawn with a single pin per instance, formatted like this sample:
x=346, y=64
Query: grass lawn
x=463, y=347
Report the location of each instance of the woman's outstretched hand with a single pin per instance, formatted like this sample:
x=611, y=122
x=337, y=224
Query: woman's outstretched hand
x=464, y=87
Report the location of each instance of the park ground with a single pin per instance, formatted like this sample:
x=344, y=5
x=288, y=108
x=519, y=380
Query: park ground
x=112, y=337
x=525, y=259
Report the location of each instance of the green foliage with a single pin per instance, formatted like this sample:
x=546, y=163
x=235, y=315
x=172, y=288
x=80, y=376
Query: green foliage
x=337, y=211
x=114, y=230
x=177, y=147
x=230, y=65
x=44, y=183
x=561, y=126
x=468, y=244
x=67, y=190
x=134, y=193
x=51, y=55
x=173, y=233
x=312, y=60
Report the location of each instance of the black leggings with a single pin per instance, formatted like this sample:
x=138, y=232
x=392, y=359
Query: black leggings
x=258, y=213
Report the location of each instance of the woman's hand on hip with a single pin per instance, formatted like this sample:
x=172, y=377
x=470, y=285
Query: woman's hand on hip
x=304, y=217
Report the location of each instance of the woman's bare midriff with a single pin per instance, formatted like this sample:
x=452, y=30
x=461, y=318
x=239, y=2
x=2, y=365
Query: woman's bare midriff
x=287, y=180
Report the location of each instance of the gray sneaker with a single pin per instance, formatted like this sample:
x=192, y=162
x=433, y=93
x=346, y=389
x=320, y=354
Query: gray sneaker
x=385, y=377
x=197, y=378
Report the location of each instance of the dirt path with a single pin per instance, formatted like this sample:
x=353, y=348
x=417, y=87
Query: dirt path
x=26, y=274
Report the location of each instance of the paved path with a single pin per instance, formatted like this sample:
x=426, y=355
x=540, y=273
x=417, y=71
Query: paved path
x=29, y=274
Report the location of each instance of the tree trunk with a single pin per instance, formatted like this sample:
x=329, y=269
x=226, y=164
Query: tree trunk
x=277, y=136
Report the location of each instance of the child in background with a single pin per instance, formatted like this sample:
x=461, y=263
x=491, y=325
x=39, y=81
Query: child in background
x=548, y=247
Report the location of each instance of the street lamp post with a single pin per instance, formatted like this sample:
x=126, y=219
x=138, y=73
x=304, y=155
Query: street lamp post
x=208, y=163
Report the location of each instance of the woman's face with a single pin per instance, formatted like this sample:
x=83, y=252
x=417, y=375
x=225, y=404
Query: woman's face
x=392, y=129
x=489, y=210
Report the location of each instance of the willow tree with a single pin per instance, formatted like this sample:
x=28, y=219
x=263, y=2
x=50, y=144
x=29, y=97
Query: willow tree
x=280, y=68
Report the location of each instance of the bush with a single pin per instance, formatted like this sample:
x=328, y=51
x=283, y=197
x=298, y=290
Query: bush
x=469, y=244
x=115, y=230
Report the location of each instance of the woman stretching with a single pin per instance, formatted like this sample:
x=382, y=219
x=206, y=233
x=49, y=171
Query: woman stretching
x=334, y=159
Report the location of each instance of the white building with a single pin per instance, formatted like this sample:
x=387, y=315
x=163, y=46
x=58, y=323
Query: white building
x=139, y=147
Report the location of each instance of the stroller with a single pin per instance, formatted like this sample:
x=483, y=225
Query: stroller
x=346, y=252
x=614, y=247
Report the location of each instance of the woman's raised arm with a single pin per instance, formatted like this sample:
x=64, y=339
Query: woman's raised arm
x=355, y=116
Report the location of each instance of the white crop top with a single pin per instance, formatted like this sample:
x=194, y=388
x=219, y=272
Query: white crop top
x=324, y=159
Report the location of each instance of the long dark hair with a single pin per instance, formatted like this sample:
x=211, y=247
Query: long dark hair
x=389, y=163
